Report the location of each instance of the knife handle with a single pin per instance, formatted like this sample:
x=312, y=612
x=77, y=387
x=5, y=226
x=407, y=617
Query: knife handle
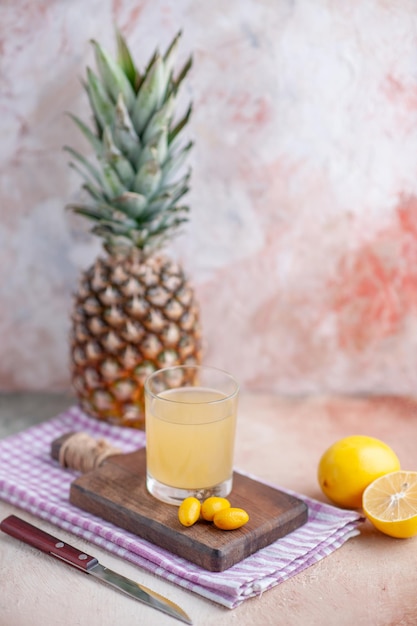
x=19, y=529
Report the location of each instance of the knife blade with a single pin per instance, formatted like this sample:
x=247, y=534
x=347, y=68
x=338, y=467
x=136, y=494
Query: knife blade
x=20, y=529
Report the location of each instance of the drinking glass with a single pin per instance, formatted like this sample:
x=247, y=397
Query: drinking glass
x=190, y=432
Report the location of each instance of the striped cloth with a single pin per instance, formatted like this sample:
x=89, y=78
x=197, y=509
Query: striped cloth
x=31, y=480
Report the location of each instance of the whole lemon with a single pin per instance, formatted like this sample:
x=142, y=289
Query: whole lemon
x=350, y=465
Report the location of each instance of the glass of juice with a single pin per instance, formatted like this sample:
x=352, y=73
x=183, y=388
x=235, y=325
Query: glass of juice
x=190, y=432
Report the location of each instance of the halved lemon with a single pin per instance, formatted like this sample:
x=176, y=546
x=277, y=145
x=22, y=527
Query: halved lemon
x=390, y=503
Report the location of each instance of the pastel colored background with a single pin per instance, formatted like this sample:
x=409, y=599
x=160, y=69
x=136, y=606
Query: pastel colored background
x=302, y=243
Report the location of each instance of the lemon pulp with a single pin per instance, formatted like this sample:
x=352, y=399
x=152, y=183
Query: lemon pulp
x=390, y=504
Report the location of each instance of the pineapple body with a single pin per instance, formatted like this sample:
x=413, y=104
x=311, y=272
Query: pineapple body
x=133, y=315
x=135, y=311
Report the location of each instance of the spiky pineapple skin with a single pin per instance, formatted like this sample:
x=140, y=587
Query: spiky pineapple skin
x=132, y=316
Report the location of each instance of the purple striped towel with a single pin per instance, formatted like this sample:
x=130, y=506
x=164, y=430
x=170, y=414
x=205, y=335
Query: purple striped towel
x=32, y=480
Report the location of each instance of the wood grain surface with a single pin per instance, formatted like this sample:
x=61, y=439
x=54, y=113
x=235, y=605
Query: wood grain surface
x=116, y=492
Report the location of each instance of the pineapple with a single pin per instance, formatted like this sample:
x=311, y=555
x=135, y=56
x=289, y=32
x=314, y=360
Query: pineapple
x=135, y=312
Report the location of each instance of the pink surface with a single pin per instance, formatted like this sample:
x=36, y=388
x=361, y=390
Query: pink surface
x=303, y=236
x=371, y=579
x=30, y=479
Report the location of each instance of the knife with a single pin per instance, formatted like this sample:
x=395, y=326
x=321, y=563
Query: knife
x=20, y=529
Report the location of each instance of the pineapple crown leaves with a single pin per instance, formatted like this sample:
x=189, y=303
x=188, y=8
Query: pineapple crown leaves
x=133, y=185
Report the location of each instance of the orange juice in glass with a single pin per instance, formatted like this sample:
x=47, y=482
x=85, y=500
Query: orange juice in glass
x=190, y=432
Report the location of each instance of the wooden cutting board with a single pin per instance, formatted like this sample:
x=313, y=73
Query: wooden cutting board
x=117, y=493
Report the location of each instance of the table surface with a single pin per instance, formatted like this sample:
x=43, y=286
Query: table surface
x=370, y=580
